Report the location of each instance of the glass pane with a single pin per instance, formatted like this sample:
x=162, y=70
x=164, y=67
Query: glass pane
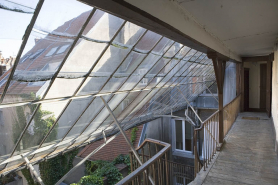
x=36, y=66
x=179, y=134
x=66, y=18
x=162, y=46
x=109, y=62
x=63, y=87
x=188, y=136
x=13, y=120
x=102, y=26
x=69, y=117
x=128, y=35
x=82, y=58
x=42, y=122
x=141, y=70
x=147, y=42
x=13, y=30
x=96, y=124
x=87, y=117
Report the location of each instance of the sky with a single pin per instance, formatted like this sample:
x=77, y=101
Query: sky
x=53, y=14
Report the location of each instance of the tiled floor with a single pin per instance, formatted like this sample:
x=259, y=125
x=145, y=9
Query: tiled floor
x=248, y=157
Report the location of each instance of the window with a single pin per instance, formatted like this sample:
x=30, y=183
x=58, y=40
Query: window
x=50, y=67
x=63, y=49
x=51, y=52
x=183, y=136
x=142, y=72
x=24, y=58
x=4, y=80
x=36, y=54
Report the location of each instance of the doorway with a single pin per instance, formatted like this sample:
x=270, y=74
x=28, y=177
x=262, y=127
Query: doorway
x=246, y=89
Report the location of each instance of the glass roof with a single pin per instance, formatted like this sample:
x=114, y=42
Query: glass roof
x=72, y=55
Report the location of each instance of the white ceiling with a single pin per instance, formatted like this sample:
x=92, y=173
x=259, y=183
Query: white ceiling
x=246, y=27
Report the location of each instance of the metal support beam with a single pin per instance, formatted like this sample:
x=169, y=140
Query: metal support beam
x=86, y=158
x=190, y=105
x=122, y=131
x=32, y=170
x=211, y=92
x=124, y=135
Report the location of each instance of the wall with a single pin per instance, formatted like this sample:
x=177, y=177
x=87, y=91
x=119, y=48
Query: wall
x=274, y=105
x=229, y=89
x=254, y=83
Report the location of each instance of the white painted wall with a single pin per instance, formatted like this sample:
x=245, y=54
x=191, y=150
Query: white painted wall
x=173, y=14
x=274, y=105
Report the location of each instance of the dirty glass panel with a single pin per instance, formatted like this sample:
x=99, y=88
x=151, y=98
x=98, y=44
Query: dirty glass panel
x=113, y=84
x=140, y=104
x=174, y=71
x=189, y=55
x=18, y=6
x=196, y=56
x=13, y=120
x=128, y=35
x=154, y=102
x=110, y=61
x=162, y=46
x=96, y=123
x=87, y=117
x=137, y=99
x=141, y=70
x=35, y=67
x=70, y=116
x=13, y=30
x=92, y=85
x=147, y=42
x=60, y=18
x=63, y=87
x=102, y=26
x=82, y=58
x=155, y=70
x=169, y=68
x=173, y=50
x=118, y=111
x=42, y=122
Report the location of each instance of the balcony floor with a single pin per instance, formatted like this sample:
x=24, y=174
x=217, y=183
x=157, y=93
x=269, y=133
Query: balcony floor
x=248, y=157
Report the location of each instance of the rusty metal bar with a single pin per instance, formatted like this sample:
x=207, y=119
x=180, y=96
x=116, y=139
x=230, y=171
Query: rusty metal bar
x=33, y=171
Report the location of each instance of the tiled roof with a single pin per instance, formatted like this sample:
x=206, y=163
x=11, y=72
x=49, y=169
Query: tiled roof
x=113, y=149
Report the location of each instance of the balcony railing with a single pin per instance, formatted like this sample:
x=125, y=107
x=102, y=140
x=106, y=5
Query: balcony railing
x=206, y=138
x=156, y=168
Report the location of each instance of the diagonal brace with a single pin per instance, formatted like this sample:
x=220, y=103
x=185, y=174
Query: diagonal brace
x=32, y=170
x=124, y=135
x=190, y=105
x=85, y=159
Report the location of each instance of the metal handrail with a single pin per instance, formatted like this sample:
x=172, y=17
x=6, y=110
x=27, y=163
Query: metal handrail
x=209, y=151
x=152, y=160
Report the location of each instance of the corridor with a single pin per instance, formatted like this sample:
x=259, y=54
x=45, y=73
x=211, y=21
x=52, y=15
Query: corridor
x=248, y=157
